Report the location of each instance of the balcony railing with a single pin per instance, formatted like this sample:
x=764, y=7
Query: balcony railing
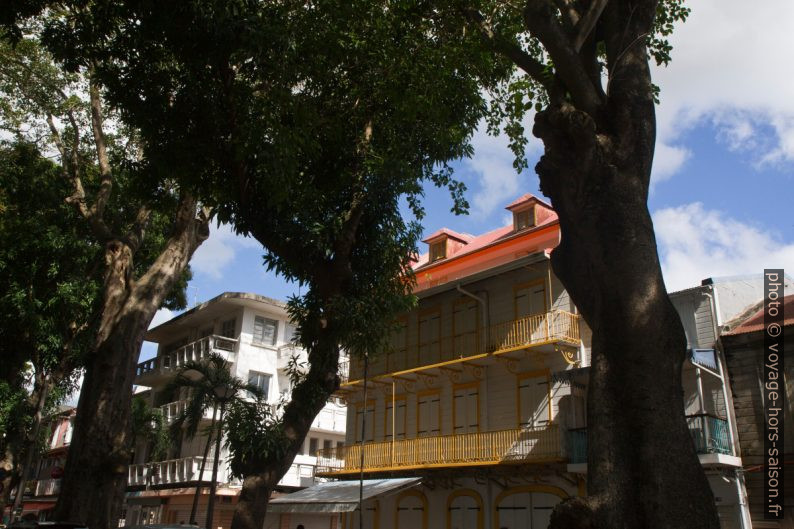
x=173, y=410
x=48, y=487
x=480, y=448
x=556, y=326
x=193, y=351
x=710, y=433
x=184, y=470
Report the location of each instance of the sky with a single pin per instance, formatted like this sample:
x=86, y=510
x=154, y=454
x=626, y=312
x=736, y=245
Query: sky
x=722, y=189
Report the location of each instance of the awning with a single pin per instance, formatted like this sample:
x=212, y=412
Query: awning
x=570, y=375
x=337, y=496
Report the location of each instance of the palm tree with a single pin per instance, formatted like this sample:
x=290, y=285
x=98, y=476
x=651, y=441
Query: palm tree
x=210, y=384
x=147, y=423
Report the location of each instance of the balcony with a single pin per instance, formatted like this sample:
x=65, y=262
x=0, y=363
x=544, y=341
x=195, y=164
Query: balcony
x=160, y=368
x=184, y=470
x=48, y=487
x=551, y=328
x=171, y=411
x=515, y=446
x=711, y=434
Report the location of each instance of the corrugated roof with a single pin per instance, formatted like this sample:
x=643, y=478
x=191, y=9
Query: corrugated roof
x=338, y=496
x=756, y=321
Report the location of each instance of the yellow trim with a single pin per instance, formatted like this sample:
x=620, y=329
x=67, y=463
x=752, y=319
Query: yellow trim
x=472, y=494
x=538, y=461
x=404, y=494
x=465, y=385
x=532, y=374
x=393, y=401
x=426, y=393
x=546, y=489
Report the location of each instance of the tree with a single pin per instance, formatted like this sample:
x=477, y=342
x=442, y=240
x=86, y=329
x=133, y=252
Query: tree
x=584, y=66
x=311, y=123
x=48, y=296
x=210, y=384
x=145, y=224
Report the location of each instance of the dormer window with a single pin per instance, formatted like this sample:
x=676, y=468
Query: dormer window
x=438, y=250
x=524, y=218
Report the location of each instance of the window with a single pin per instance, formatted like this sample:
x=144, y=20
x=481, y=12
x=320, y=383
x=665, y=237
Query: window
x=327, y=445
x=466, y=403
x=370, y=421
x=533, y=400
x=428, y=411
x=265, y=330
x=313, y=441
x=260, y=380
x=438, y=250
x=289, y=332
x=524, y=219
x=398, y=420
x=340, y=445
x=229, y=328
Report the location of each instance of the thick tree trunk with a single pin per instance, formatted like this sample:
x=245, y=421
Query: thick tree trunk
x=308, y=398
x=95, y=477
x=642, y=467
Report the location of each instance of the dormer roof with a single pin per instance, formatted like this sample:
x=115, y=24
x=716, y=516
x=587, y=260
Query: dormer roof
x=437, y=235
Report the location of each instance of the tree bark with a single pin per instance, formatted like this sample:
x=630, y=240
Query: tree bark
x=95, y=477
x=642, y=467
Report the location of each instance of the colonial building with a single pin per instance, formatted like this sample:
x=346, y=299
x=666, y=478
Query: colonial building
x=743, y=346
x=475, y=417
x=482, y=393
x=254, y=334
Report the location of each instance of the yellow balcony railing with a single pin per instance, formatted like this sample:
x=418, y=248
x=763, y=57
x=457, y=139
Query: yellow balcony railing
x=525, y=445
x=556, y=326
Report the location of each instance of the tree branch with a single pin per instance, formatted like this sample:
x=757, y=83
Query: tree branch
x=511, y=50
x=540, y=19
x=586, y=25
x=106, y=181
x=70, y=171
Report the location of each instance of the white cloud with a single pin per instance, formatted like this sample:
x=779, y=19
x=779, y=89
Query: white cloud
x=667, y=161
x=218, y=251
x=730, y=69
x=499, y=183
x=696, y=243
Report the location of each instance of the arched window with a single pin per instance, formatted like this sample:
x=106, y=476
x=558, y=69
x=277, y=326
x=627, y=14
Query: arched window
x=411, y=511
x=464, y=510
x=526, y=507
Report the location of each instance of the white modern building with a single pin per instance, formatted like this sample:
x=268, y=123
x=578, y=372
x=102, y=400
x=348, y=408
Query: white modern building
x=254, y=334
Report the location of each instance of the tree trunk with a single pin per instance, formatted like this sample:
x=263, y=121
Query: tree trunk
x=642, y=467
x=308, y=398
x=95, y=477
x=41, y=392
x=215, y=462
x=197, y=494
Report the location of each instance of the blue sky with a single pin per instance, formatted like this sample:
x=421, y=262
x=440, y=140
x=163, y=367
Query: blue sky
x=722, y=188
